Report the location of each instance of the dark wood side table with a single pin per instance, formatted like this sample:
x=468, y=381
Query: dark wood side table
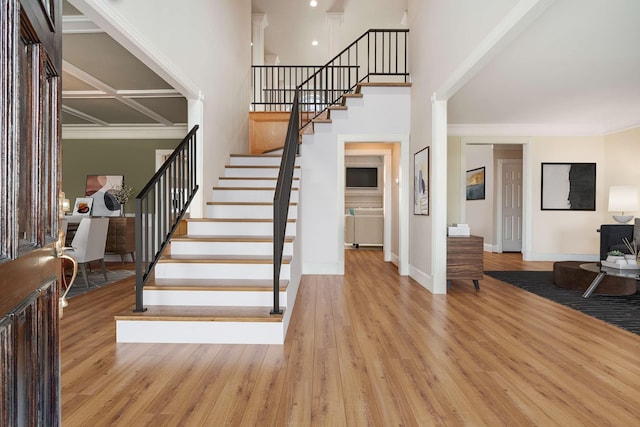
x=121, y=236
x=465, y=259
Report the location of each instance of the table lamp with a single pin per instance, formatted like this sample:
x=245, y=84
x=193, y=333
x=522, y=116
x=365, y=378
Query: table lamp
x=623, y=198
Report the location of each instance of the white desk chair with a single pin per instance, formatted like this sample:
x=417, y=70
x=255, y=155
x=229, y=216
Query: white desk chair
x=88, y=244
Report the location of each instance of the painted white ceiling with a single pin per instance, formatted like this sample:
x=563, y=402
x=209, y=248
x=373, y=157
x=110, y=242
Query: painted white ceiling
x=293, y=25
x=575, y=70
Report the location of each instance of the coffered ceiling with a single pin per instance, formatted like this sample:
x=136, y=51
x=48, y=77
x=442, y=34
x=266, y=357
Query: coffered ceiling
x=104, y=87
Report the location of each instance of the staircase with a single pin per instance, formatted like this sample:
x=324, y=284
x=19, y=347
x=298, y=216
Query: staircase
x=215, y=283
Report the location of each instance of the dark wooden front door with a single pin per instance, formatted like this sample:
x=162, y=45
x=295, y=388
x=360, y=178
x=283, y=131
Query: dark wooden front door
x=30, y=70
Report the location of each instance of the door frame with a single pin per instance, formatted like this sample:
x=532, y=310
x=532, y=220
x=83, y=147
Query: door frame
x=527, y=182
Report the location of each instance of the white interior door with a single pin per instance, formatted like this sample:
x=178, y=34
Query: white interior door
x=511, y=205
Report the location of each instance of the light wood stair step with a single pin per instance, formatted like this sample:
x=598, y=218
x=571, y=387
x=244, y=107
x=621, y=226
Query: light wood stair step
x=204, y=238
x=222, y=259
x=202, y=314
x=233, y=285
x=255, y=178
x=234, y=220
x=248, y=203
x=250, y=188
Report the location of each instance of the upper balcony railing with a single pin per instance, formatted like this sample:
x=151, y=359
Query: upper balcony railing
x=377, y=55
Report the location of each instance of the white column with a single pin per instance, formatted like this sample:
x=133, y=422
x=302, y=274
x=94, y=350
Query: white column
x=439, y=192
x=195, y=109
x=259, y=23
x=334, y=21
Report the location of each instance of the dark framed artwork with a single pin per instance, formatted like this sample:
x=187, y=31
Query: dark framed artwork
x=475, y=184
x=421, y=182
x=101, y=189
x=568, y=187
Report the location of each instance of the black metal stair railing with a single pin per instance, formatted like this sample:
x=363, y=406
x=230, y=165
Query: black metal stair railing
x=377, y=54
x=282, y=197
x=160, y=207
x=380, y=55
x=275, y=85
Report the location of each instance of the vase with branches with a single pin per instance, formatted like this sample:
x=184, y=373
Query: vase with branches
x=122, y=193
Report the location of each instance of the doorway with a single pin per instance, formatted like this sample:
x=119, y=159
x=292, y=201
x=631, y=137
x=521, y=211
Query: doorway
x=396, y=186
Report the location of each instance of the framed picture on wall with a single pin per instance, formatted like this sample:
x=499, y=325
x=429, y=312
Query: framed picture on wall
x=101, y=189
x=475, y=184
x=82, y=206
x=568, y=187
x=421, y=182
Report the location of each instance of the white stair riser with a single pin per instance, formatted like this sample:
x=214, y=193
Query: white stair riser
x=238, y=195
x=245, y=211
x=196, y=332
x=227, y=248
x=266, y=183
x=255, y=160
x=176, y=270
x=256, y=172
x=212, y=298
x=231, y=228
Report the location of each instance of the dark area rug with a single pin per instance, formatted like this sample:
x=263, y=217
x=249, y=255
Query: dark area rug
x=96, y=280
x=621, y=311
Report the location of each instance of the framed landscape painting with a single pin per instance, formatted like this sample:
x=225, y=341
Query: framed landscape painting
x=568, y=187
x=475, y=184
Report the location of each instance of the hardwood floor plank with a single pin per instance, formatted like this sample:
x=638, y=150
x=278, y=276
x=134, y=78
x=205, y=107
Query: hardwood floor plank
x=368, y=348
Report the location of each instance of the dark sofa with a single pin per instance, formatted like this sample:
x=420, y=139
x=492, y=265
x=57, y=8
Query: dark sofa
x=611, y=238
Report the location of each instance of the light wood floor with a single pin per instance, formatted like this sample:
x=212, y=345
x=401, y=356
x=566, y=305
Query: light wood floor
x=367, y=349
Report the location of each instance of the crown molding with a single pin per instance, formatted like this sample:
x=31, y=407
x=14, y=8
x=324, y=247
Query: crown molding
x=124, y=132
x=525, y=129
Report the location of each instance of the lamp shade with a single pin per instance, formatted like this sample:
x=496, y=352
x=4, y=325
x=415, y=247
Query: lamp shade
x=623, y=198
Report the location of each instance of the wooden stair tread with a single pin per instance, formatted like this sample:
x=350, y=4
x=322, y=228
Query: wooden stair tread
x=202, y=314
x=256, y=155
x=338, y=107
x=255, y=178
x=321, y=120
x=248, y=203
x=250, y=188
x=255, y=166
x=222, y=259
x=238, y=285
x=381, y=84
x=239, y=238
x=234, y=220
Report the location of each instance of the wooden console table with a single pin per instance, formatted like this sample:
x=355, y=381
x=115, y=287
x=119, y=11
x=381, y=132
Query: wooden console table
x=465, y=259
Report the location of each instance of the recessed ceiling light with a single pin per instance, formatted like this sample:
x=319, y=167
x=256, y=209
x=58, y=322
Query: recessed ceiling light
x=313, y=3
x=314, y=43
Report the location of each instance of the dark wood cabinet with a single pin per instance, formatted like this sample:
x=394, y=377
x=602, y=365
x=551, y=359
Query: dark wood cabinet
x=465, y=258
x=121, y=237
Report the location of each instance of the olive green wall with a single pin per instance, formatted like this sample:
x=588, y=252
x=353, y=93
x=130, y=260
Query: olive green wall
x=135, y=159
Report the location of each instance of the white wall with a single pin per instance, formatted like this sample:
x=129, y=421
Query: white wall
x=200, y=46
x=381, y=116
x=443, y=34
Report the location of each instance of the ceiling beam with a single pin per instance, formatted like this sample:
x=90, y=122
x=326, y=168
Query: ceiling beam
x=78, y=24
x=108, y=91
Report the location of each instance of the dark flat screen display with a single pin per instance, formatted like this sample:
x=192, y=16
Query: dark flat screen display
x=362, y=177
